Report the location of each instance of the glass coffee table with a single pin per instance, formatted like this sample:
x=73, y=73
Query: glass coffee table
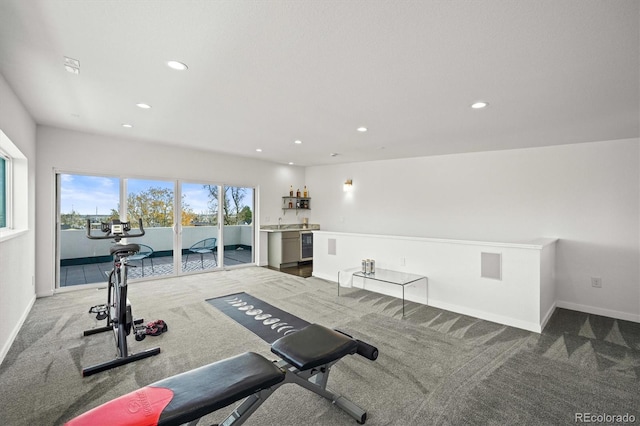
x=402, y=279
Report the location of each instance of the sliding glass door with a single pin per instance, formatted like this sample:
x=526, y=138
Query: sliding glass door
x=203, y=247
x=84, y=198
x=200, y=239
x=238, y=231
x=152, y=201
x=189, y=227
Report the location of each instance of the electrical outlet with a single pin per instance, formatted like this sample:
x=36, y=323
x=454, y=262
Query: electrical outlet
x=596, y=282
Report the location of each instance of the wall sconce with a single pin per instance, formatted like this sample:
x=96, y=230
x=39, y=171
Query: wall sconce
x=348, y=185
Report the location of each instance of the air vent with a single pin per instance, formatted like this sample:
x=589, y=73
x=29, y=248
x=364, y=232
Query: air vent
x=491, y=265
x=332, y=246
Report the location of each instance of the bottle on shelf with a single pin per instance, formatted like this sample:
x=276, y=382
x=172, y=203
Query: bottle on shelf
x=291, y=191
x=298, y=193
x=305, y=191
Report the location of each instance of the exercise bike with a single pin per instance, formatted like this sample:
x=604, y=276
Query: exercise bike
x=117, y=310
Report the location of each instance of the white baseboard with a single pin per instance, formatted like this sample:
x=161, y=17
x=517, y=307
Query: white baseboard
x=487, y=316
x=545, y=319
x=598, y=311
x=16, y=330
x=333, y=279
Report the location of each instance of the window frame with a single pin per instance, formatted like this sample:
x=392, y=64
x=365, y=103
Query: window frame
x=17, y=188
x=7, y=191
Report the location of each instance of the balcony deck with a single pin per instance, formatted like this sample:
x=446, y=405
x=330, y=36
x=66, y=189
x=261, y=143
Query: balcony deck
x=163, y=265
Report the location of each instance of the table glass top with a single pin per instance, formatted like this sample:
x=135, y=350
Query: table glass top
x=389, y=276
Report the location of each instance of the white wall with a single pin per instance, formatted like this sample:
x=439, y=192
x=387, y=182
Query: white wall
x=587, y=195
x=17, y=254
x=67, y=150
x=453, y=270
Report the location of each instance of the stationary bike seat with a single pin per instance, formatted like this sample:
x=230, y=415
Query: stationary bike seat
x=125, y=248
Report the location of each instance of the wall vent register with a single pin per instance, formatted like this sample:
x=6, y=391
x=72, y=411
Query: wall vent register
x=491, y=265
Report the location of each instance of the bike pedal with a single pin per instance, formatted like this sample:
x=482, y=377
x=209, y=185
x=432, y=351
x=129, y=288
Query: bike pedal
x=97, y=309
x=138, y=321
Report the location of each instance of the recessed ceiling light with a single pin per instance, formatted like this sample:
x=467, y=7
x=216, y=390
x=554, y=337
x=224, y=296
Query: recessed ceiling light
x=258, y=150
x=291, y=163
x=479, y=105
x=334, y=154
x=362, y=129
x=128, y=126
x=297, y=142
x=143, y=106
x=177, y=65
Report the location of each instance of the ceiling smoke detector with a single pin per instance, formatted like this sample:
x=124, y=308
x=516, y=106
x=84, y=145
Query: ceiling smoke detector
x=72, y=65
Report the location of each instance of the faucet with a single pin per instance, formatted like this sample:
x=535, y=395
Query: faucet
x=279, y=224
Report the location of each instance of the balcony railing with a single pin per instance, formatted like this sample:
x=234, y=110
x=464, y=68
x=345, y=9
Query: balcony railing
x=85, y=261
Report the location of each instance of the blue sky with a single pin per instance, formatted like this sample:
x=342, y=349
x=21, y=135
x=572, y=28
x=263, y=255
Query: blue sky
x=99, y=195
x=88, y=194
x=196, y=197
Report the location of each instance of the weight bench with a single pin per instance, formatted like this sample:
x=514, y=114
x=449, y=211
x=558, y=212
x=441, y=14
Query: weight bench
x=306, y=359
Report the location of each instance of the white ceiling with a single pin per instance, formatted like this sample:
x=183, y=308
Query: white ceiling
x=265, y=73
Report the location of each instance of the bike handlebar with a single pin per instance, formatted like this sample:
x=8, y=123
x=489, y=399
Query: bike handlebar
x=115, y=229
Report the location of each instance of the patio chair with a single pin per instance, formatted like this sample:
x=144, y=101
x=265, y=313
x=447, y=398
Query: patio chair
x=208, y=245
x=144, y=253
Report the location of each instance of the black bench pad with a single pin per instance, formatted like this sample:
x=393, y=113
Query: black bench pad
x=187, y=396
x=313, y=346
x=214, y=386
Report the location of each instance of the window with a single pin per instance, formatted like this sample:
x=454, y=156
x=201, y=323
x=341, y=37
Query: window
x=5, y=190
x=14, y=189
x=182, y=221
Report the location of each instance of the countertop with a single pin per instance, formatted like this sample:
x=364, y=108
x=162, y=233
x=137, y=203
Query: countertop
x=290, y=227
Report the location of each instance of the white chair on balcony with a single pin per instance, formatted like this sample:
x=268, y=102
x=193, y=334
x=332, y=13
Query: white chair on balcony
x=203, y=247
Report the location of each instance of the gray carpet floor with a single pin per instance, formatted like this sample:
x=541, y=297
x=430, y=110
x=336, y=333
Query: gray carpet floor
x=435, y=367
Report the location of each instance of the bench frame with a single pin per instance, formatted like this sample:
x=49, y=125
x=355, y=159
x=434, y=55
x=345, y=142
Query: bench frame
x=306, y=359
x=314, y=379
